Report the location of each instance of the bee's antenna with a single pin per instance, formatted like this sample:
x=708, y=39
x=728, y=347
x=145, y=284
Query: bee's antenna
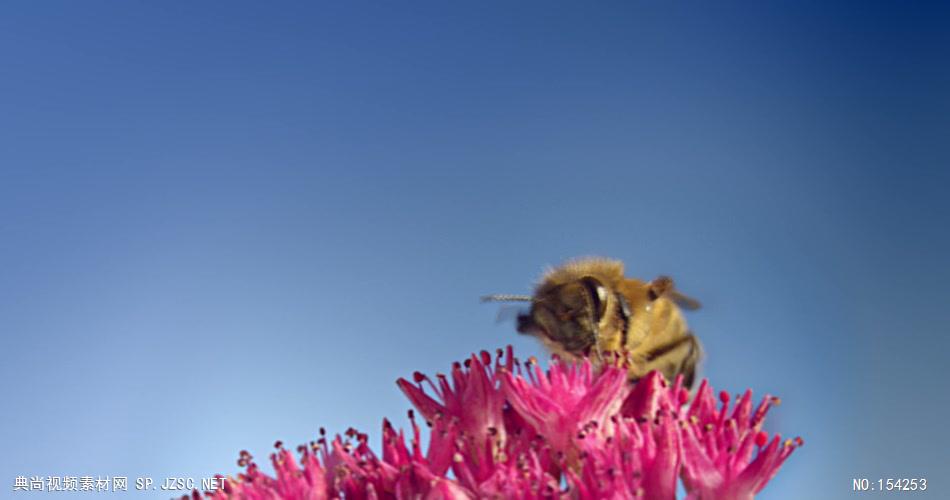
x=501, y=297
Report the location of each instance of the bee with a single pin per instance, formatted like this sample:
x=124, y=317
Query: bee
x=587, y=307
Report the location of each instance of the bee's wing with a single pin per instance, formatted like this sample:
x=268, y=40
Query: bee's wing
x=684, y=301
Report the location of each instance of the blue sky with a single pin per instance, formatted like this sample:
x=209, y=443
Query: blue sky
x=225, y=224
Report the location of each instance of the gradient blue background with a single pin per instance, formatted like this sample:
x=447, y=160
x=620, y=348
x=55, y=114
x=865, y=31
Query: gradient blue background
x=223, y=224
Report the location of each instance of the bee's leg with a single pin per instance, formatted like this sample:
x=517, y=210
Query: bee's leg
x=671, y=359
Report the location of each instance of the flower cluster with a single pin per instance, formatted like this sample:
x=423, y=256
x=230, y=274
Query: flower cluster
x=502, y=429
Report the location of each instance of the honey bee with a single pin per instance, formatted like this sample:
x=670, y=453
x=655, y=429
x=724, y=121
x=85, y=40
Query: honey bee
x=587, y=307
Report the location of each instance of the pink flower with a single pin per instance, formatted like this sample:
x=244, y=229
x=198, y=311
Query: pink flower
x=302, y=481
x=569, y=396
x=718, y=447
x=471, y=406
x=575, y=432
x=472, y=400
x=635, y=459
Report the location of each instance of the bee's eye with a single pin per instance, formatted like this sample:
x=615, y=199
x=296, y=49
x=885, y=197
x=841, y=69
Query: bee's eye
x=598, y=295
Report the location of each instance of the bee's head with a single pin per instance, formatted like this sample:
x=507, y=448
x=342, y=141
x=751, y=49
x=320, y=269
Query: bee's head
x=567, y=314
